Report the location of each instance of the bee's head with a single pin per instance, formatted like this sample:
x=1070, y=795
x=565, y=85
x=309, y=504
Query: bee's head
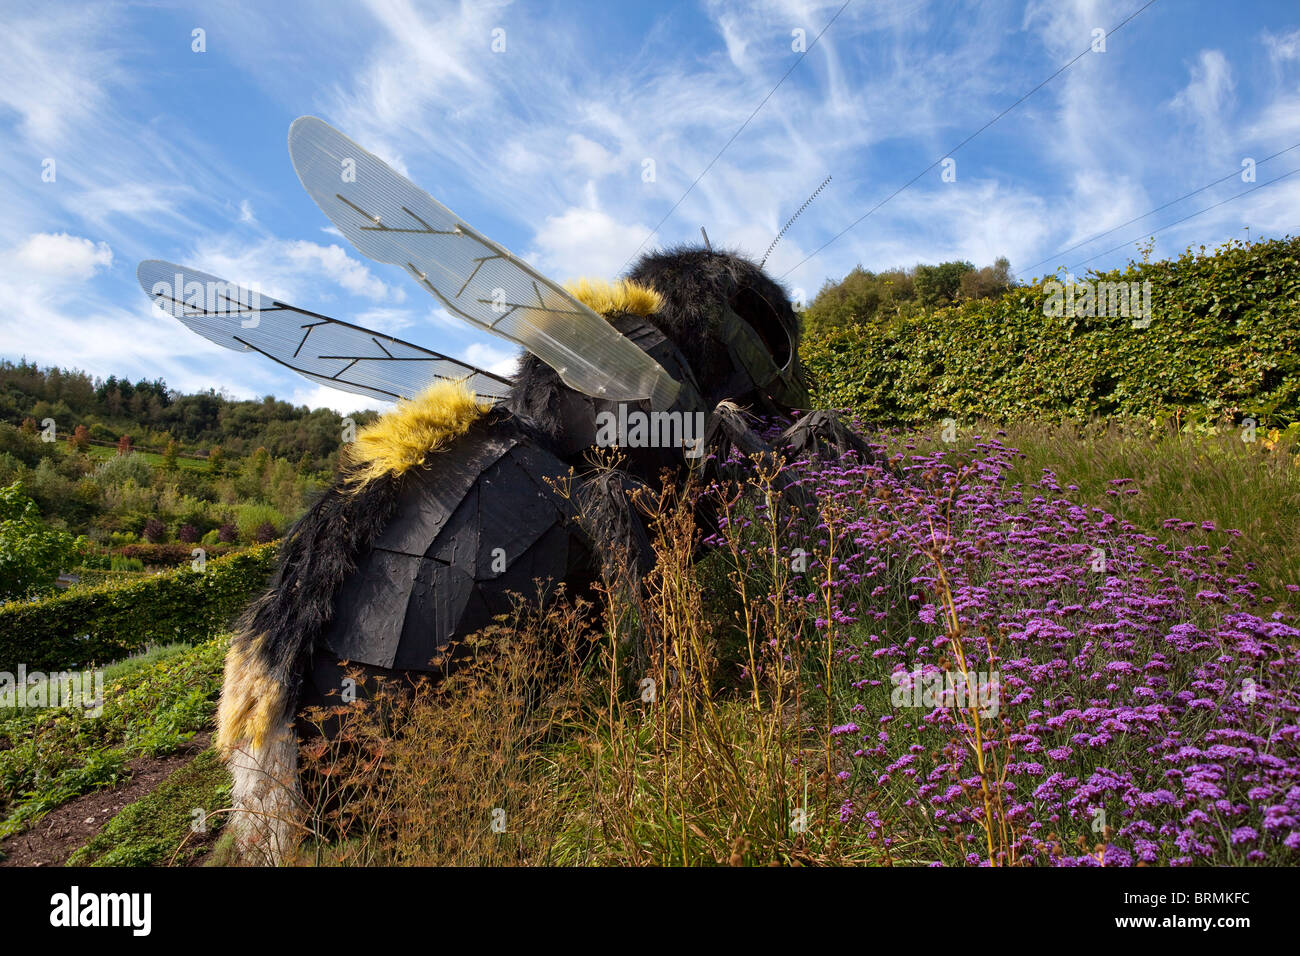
x=734, y=323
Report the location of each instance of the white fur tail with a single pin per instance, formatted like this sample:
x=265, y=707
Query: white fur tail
x=255, y=733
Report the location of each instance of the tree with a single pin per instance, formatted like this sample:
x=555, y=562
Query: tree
x=171, y=455
x=216, y=461
x=938, y=286
x=31, y=552
x=867, y=298
x=80, y=438
x=124, y=445
x=987, y=282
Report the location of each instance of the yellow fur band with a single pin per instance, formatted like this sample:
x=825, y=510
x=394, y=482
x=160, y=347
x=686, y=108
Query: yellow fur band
x=622, y=296
x=403, y=438
x=252, y=702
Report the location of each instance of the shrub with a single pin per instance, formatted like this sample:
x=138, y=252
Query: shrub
x=120, y=469
x=250, y=519
x=31, y=553
x=1223, y=342
x=155, y=531
x=107, y=622
x=101, y=432
x=169, y=554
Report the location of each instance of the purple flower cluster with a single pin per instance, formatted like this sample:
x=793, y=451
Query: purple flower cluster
x=1148, y=697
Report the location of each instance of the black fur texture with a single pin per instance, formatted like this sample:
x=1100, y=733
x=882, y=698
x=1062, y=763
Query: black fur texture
x=325, y=545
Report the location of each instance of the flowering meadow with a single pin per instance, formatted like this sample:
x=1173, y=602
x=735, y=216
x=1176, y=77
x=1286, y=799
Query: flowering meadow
x=944, y=656
x=1012, y=676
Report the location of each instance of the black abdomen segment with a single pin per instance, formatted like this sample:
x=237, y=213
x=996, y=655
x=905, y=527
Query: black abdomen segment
x=481, y=522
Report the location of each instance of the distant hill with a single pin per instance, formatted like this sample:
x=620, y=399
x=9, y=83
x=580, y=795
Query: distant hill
x=153, y=415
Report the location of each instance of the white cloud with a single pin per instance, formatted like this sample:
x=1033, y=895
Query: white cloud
x=583, y=242
x=53, y=70
x=293, y=270
x=1208, y=94
x=492, y=359
x=63, y=256
x=344, y=403
x=1282, y=47
x=735, y=40
x=388, y=321
x=590, y=156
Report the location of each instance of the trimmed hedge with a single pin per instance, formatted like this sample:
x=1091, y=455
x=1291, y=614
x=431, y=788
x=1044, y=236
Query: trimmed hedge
x=173, y=554
x=1223, y=342
x=107, y=622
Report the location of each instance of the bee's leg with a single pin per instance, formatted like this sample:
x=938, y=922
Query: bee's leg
x=825, y=433
x=729, y=431
x=618, y=538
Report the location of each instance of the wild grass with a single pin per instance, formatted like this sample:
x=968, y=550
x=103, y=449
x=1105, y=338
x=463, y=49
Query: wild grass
x=1250, y=486
x=740, y=710
x=152, y=705
x=708, y=722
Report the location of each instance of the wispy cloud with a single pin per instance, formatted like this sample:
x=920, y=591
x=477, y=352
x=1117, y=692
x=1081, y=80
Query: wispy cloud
x=567, y=134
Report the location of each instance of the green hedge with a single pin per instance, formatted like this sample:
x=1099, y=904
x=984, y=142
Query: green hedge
x=107, y=622
x=1223, y=341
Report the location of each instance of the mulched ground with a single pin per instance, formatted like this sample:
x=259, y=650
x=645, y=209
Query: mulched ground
x=64, y=830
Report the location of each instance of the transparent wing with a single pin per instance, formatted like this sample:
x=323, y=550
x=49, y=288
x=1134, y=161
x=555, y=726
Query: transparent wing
x=324, y=350
x=390, y=219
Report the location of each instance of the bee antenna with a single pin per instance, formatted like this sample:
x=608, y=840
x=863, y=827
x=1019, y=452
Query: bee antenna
x=789, y=222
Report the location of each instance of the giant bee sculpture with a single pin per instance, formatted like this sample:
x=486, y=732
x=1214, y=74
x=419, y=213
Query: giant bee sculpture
x=444, y=508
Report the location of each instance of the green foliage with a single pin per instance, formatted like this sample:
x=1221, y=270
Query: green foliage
x=937, y=286
x=1223, y=342
x=150, y=831
x=109, y=621
x=119, y=469
x=50, y=755
x=152, y=414
x=250, y=518
x=864, y=297
x=31, y=553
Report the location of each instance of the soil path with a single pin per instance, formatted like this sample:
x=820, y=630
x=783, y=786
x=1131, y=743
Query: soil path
x=64, y=830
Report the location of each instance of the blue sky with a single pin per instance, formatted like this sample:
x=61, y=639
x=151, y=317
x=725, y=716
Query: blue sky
x=163, y=152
